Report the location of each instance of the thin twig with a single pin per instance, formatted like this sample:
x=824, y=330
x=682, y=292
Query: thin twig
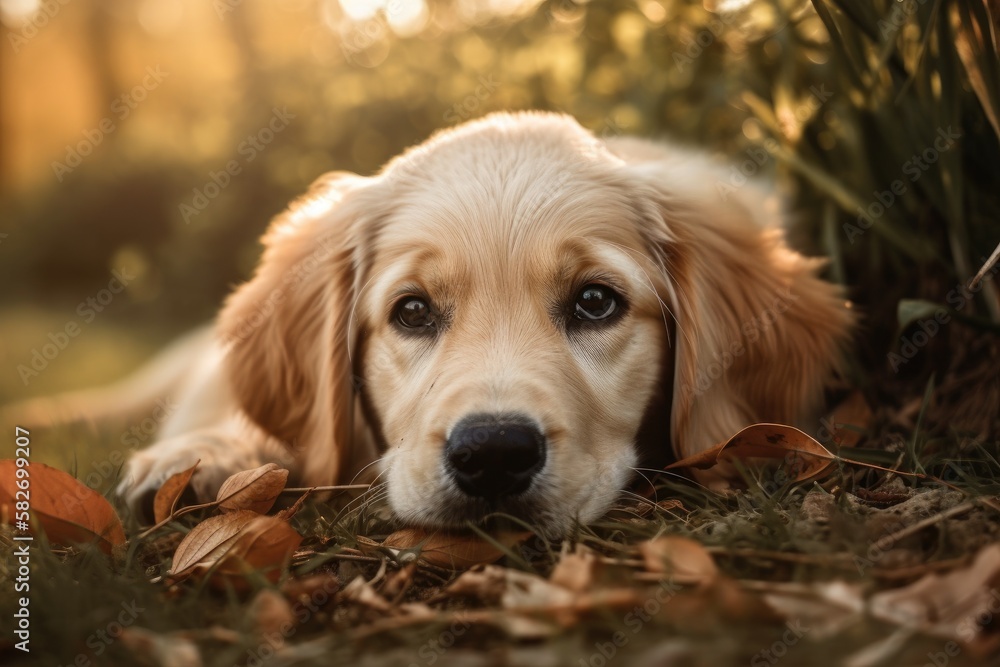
x=930, y=521
x=342, y=487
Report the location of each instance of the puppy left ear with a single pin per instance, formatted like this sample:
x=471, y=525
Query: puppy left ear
x=758, y=333
x=287, y=332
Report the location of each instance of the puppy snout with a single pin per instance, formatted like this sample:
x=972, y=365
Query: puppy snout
x=491, y=456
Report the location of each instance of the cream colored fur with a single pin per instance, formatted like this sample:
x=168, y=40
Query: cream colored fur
x=498, y=221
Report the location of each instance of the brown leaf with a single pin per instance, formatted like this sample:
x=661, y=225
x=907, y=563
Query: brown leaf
x=486, y=584
x=207, y=541
x=827, y=608
x=527, y=591
x=170, y=492
x=317, y=588
x=575, y=571
x=453, y=550
x=264, y=544
x=959, y=605
x=254, y=490
x=361, y=592
x=69, y=511
x=801, y=455
x=680, y=558
x=235, y=544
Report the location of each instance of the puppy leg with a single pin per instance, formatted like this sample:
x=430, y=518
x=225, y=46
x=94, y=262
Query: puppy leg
x=221, y=452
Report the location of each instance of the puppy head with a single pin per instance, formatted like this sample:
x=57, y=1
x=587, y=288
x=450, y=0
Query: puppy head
x=506, y=295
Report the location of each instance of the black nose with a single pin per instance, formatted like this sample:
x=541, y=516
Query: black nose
x=491, y=456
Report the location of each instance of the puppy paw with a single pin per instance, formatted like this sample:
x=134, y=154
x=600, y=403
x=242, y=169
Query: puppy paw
x=218, y=457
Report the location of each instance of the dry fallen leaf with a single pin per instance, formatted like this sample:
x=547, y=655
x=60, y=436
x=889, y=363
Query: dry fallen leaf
x=526, y=591
x=683, y=560
x=207, y=541
x=234, y=544
x=452, y=550
x=317, y=589
x=361, y=592
x=575, y=571
x=952, y=605
x=170, y=492
x=486, y=584
x=254, y=490
x=803, y=457
x=264, y=544
x=827, y=608
x=69, y=511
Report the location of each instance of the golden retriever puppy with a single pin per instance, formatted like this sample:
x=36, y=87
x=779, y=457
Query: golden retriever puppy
x=509, y=318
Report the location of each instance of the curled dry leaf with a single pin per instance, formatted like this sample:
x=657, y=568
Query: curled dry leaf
x=486, y=584
x=234, y=544
x=170, y=492
x=254, y=490
x=69, y=511
x=681, y=559
x=453, y=550
x=802, y=457
x=361, y=592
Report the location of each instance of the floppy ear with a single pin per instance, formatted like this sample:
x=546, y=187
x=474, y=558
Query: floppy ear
x=758, y=333
x=288, y=358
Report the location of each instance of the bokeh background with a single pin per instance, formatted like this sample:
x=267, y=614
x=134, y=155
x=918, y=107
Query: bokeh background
x=119, y=119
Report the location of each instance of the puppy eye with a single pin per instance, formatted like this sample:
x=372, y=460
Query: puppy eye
x=595, y=302
x=414, y=313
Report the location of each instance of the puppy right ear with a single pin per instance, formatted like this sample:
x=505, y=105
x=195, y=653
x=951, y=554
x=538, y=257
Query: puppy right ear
x=286, y=330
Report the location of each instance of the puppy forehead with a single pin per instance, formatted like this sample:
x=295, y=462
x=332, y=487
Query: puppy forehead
x=534, y=215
